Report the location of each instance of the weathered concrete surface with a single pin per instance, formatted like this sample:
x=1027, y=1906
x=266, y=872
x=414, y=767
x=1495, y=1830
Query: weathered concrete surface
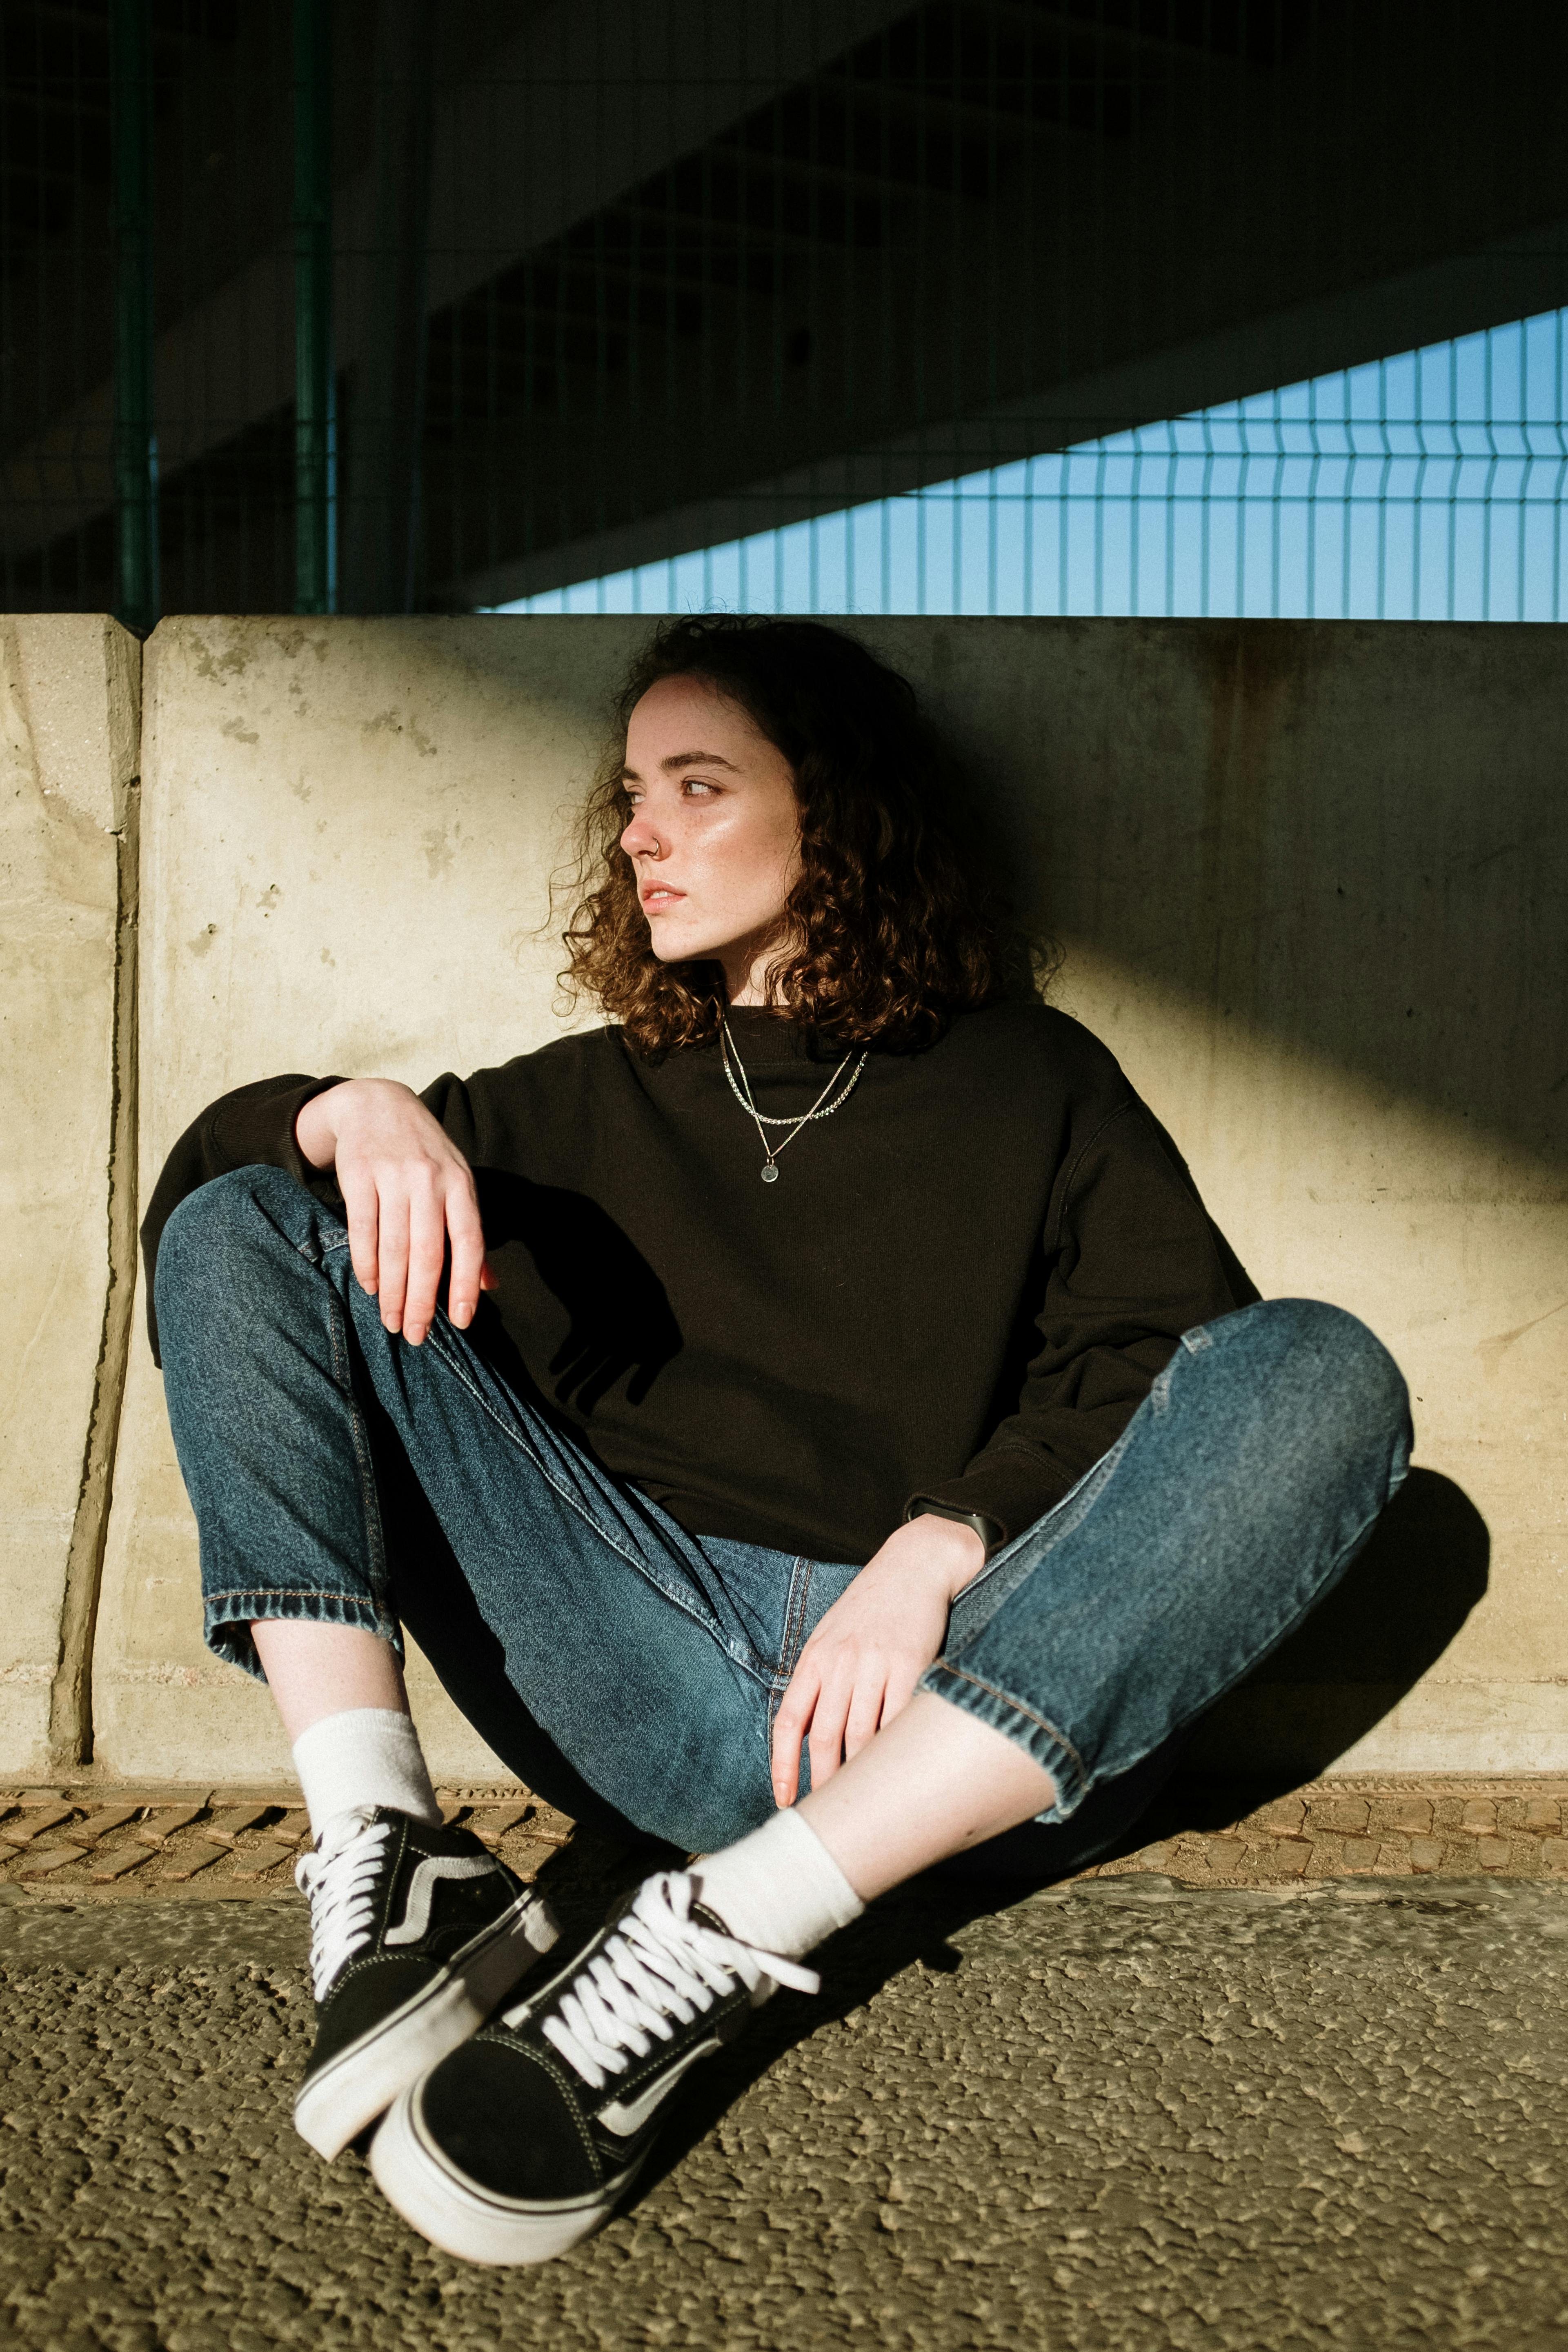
x=1307, y=879
x=68, y=688
x=1119, y=2118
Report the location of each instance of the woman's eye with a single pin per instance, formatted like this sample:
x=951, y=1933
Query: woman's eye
x=695, y=784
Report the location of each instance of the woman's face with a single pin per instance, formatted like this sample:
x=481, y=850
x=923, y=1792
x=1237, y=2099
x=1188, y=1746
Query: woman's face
x=714, y=833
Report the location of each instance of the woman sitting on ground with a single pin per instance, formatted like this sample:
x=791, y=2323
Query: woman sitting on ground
x=839, y=1417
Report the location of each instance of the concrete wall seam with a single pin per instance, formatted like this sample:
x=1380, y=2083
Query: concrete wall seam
x=71, y=1694
x=69, y=885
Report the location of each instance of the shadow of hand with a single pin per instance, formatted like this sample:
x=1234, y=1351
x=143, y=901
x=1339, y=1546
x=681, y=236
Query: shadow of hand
x=620, y=1318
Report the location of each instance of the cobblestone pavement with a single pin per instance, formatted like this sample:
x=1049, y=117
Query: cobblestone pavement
x=87, y=1845
x=1125, y=2113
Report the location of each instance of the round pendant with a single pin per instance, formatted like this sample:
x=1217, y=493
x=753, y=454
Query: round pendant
x=770, y=1174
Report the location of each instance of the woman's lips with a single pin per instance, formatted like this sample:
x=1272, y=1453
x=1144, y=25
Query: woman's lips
x=658, y=901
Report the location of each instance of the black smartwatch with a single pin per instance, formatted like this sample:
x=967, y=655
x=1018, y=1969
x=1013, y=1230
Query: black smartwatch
x=990, y=1534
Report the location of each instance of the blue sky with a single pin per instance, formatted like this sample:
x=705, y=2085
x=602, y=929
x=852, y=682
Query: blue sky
x=1426, y=487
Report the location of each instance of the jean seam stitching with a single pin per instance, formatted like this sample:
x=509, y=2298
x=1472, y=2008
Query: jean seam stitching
x=675, y=1599
x=1007, y=1699
x=798, y=1602
x=680, y=1600
x=800, y=1590
x=342, y=1368
x=364, y=1463
x=283, y=1593
x=454, y=1366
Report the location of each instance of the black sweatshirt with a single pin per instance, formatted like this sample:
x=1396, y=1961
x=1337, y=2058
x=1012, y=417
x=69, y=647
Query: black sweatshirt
x=959, y=1289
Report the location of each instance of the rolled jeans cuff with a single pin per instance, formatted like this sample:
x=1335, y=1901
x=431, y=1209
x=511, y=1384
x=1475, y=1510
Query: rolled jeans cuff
x=1050, y=1747
x=227, y=1617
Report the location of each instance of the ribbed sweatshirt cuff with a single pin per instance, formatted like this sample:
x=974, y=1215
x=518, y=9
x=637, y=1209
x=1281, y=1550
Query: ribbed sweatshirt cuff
x=1012, y=1491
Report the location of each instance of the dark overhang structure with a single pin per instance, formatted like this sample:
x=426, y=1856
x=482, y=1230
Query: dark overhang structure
x=614, y=278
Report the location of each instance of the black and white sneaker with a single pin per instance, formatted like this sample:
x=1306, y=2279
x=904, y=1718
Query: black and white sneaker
x=416, y=1935
x=519, y=2145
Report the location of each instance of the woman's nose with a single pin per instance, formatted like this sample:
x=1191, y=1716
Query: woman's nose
x=639, y=839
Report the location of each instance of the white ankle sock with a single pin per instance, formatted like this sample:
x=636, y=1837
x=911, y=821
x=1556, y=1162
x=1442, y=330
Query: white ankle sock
x=779, y=1888
x=365, y=1756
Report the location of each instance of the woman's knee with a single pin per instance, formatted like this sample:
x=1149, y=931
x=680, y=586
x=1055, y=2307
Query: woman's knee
x=1353, y=1379
x=229, y=1214
x=219, y=1242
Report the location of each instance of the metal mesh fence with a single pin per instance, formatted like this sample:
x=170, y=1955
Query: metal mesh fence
x=982, y=306
x=1429, y=487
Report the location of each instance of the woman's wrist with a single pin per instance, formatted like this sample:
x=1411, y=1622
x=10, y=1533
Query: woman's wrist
x=316, y=1127
x=955, y=1552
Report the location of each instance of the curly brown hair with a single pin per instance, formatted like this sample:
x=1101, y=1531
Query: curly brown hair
x=897, y=924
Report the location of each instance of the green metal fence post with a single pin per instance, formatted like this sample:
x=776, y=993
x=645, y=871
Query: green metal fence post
x=135, y=435
x=315, y=423
x=386, y=387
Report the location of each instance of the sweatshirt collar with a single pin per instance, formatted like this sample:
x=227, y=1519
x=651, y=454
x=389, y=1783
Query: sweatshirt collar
x=763, y=1037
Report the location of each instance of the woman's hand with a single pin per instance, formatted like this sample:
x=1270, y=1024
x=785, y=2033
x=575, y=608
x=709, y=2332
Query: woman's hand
x=860, y=1666
x=406, y=1189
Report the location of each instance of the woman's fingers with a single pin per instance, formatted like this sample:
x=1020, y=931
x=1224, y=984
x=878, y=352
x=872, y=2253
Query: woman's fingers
x=467, y=1276
x=864, y=1718
x=790, y=1723
x=859, y=1668
x=361, y=1207
x=392, y=1251
x=427, y=1260
x=399, y=1219
x=824, y=1741
x=404, y=1187
x=837, y=1707
x=902, y=1676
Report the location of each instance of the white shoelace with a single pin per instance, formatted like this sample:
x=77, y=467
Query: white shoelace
x=660, y=1969
x=340, y=1879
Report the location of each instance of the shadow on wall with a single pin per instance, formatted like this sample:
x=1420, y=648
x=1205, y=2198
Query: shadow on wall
x=1350, y=837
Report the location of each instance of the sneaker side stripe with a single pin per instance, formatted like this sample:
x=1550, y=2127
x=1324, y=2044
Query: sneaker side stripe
x=626, y=2116
x=422, y=1886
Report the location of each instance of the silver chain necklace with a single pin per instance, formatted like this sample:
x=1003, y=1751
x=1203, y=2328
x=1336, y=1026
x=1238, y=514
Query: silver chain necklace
x=821, y=1108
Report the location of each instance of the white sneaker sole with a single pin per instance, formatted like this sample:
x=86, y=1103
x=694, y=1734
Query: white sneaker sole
x=361, y=2082
x=476, y=2225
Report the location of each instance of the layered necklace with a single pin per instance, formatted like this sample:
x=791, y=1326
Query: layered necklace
x=762, y=1121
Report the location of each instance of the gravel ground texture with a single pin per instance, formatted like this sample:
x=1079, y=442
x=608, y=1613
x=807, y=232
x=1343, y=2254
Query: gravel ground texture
x=1126, y=2113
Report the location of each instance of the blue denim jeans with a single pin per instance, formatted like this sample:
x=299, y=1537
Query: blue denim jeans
x=652, y=1659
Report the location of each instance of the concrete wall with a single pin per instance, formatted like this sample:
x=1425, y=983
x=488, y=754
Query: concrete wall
x=1307, y=879
x=68, y=763
x=1310, y=880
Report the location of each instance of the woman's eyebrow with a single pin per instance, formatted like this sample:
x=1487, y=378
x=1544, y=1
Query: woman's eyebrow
x=685, y=759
